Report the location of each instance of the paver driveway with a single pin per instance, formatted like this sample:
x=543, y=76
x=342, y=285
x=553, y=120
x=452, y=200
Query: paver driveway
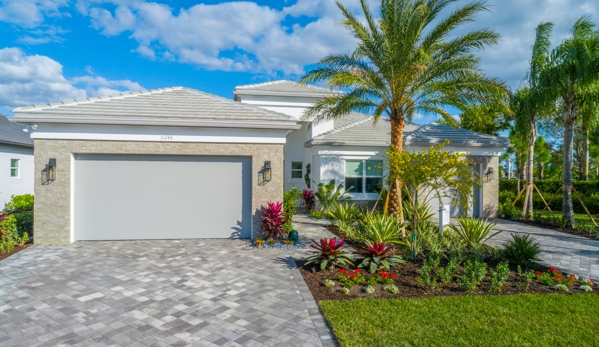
x=156, y=293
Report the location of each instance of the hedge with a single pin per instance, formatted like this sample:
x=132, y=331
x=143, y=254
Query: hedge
x=588, y=190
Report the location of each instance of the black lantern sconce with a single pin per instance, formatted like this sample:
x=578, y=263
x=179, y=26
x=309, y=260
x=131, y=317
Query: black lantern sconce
x=489, y=175
x=265, y=175
x=49, y=172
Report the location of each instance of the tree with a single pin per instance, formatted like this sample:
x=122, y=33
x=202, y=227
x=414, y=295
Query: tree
x=573, y=67
x=490, y=120
x=542, y=155
x=408, y=61
x=589, y=120
x=532, y=103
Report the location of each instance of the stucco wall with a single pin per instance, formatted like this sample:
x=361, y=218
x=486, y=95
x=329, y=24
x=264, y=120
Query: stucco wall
x=15, y=185
x=53, y=201
x=490, y=188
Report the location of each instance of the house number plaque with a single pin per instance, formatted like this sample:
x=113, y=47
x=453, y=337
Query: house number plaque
x=166, y=137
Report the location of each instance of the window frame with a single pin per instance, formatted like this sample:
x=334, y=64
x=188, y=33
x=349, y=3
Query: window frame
x=363, y=176
x=15, y=168
x=300, y=170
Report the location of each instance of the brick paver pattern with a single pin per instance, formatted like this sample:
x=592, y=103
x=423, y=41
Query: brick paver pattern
x=571, y=253
x=159, y=293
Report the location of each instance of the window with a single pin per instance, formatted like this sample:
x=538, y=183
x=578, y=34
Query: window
x=363, y=176
x=296, y=169
x=14, y=168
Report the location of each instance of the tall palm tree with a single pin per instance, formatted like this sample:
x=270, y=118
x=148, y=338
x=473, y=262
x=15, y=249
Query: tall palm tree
x=589, y=121
x=408, y=61
x=483, y=119
x=574, y=66
x=535, y=103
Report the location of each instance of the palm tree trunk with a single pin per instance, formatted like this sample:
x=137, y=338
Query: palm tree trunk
x=518, y=171
x=585, y=154
x=395, y=205
x=541, y=170
x=527, y=211
x=567, y=208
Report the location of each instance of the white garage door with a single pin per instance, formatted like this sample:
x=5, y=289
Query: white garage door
x=128, y=197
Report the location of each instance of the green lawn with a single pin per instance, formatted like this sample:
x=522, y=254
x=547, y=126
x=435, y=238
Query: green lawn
x=519, y=320
x=578, y=217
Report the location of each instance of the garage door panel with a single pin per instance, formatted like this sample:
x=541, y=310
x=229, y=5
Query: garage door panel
x=161, y=197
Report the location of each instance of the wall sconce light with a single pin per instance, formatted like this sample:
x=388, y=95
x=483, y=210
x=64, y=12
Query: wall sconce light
x=490, y=174
x=49, y=172
x=265, y=174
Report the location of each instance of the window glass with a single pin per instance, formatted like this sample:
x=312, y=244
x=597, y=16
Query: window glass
x=353, y=168
x=354, y=184
x=374, y=168
x=14, y=168
x=296, y=169
x=373, y=185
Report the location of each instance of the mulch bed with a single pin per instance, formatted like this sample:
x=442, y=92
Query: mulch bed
x=15, y=250
x=549, y=226
x=408, y=286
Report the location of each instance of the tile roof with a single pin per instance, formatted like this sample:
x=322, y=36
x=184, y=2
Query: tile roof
x=175, y=103
x=362, y=132
x=13, y=134
x=283, y=86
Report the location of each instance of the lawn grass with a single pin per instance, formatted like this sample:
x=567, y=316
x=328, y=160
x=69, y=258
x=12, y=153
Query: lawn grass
x=578, y=217
x=509, y=320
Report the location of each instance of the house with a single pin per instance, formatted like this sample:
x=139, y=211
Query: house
x=175, y=163
x=349, y=149
x=16, y=160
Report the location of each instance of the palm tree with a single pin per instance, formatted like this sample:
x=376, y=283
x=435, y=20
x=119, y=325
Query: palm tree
x=574, y=66
x=408, y=61
x=589, y=121
x=534, y=103
x=483, y=119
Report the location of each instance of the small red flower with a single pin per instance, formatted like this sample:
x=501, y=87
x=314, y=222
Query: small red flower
x=342, y=271
x=591, y=281
x=558, y=269
x=572, y=275
x=559, y=277
x=393, y=276
x=551, y=268
x=538, y=273
x=384, y=274
x=571, y=279
x=357, y=271
x=354, y=276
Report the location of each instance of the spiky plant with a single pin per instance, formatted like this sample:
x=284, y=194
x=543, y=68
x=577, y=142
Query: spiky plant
x=329, y=252
x=376, y=256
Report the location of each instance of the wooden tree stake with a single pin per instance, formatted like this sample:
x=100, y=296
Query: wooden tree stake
x=583, y=206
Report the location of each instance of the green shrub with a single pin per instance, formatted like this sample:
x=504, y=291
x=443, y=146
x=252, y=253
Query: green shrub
x=506, y=196
x=499, y=276
x=522, y=250
x=9, y=226
x=290, y=199
x=24, y=222
x=20, y=203
x=426, y=276
x=474, y=273
x=508, y=210
x=7, y=244
x=346, y=217
x=329, y=194
x=473, y=231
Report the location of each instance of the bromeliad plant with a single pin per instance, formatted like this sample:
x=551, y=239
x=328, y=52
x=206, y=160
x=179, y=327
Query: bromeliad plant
x=376, y=256
x=309, y=199
x=329, y=252
x=272, y=220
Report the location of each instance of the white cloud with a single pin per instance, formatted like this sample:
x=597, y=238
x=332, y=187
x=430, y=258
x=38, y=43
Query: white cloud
x=36, y=79
x=41, y=36
x=29, y=13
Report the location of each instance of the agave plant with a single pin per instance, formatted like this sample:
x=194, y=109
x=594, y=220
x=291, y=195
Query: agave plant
x=376, y=256
x=329, y=252
x=273, y=220
x=381, y=228
x=473, y=231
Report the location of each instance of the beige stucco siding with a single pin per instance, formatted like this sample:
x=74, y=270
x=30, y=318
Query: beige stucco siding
x=490, y=187
x=53, y=201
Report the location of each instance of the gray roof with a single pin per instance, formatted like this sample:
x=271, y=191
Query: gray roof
x=175, y=105
x=283, y=87
x=363, y=132
x=13, y=134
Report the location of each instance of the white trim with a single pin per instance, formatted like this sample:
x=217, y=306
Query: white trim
x=157, y=134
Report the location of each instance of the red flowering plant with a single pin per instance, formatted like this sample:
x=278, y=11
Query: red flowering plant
x=376, y=256
x=329, y=252
x=309, y=199
x=349, y=279
x=273, y=220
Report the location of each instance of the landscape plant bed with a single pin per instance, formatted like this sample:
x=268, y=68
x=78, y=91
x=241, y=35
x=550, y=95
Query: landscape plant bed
x=406, y=281
x=14, y=250
x=279, y=244
x=552, y=227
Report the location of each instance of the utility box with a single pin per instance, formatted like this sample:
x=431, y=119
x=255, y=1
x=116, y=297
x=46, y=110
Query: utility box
x=444, y=217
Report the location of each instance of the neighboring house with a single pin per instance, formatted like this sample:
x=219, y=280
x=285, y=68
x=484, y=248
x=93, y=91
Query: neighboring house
x=349, y=149
x=16, y=160
x=177, y=163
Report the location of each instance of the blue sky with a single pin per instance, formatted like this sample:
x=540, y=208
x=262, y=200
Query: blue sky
x=53, y=50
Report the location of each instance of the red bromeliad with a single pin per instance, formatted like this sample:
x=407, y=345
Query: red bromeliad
x=329, y=252
x=272, y=220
